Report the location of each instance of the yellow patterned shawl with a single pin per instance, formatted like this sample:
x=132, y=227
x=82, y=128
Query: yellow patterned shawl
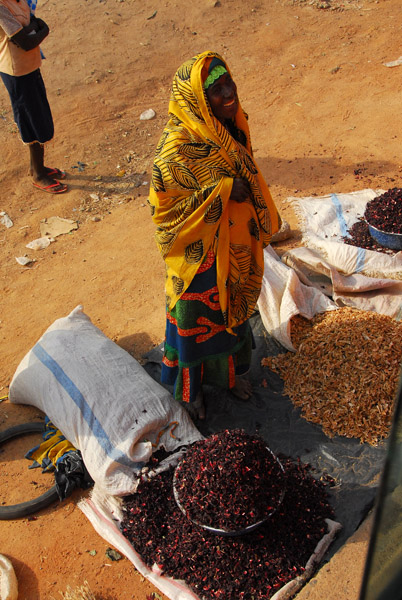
x=195, y=163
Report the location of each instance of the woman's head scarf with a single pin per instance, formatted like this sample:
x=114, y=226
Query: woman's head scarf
x=212, y=72
x=195, y=164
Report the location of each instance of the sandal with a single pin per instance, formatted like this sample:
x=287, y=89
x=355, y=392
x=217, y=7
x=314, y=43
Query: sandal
x=55, y=173
x=53, y=188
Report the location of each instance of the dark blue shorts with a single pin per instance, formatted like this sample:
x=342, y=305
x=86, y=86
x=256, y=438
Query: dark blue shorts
x=30, y=106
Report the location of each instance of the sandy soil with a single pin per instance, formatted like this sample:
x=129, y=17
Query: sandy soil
x=324, y=117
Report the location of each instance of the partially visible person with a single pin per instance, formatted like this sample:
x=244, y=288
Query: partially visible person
x=21, y=33
x=214, y=215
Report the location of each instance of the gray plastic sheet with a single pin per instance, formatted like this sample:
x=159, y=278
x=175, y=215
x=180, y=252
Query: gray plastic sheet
x=355, y=467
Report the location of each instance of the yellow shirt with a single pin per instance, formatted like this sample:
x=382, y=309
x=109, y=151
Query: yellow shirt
x=13, y=60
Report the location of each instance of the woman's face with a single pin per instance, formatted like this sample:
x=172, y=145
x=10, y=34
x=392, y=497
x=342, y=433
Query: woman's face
x=222, y=96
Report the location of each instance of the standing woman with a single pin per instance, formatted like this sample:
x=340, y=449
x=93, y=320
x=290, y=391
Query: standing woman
x=20, y=60
x=214, y=216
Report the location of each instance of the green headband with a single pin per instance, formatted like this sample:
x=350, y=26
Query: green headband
x=215, y=73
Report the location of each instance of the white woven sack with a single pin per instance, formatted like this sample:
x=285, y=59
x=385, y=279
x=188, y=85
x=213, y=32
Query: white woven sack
x=8, y=580
x=326, y=220
x=102, y=400
x=283, y=296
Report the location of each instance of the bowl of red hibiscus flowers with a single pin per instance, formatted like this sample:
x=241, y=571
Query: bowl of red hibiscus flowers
x=383, y=216
x=229, y=483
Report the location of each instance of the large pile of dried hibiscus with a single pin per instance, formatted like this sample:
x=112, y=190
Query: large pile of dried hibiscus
x=252, y=566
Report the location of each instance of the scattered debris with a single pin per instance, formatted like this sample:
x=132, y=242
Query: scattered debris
x=394, y=63
x=40, y=243
x=24, y=260
x=147, y=115
x=101, y=203
x=79, y=593
x=113, y=554
x=5, y=219
x=80, y=166
x=55, y=226
x=338, y=5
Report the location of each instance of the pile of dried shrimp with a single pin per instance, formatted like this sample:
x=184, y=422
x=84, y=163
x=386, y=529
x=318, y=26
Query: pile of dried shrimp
x=345, y=372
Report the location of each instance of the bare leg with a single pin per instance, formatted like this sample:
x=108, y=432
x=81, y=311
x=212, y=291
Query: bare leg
x=38, y=170
x=196, y=409
x=37, y=155
x=243, y=388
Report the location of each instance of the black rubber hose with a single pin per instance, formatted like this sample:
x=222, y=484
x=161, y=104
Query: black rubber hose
x=16, y=511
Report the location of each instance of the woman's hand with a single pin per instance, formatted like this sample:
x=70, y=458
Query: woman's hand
x=240, y=190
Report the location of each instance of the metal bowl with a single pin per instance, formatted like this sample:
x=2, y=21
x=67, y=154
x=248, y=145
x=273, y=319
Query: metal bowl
x=229, y=532
x=387, y=240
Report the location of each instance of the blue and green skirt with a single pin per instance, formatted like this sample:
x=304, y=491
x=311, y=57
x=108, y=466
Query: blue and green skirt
x=198, y=350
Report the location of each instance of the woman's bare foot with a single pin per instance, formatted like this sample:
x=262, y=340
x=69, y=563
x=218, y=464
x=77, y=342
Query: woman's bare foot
x=197, y=408
x=243, y=388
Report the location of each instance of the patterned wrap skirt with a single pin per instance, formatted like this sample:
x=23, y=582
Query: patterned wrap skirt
x=198, y=349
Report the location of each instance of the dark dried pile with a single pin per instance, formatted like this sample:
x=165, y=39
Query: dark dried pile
x=385, y=211
x=252, y=566
x=359, y=235
x=229, y=481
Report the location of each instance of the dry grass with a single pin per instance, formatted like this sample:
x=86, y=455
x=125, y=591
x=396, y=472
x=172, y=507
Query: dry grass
x=79, y=593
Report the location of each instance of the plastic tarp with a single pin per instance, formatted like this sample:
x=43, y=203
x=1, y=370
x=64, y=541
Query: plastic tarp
x=325, y=221
x=283, y=295
x=354, y=466
x=352, y=276
x=325, y=273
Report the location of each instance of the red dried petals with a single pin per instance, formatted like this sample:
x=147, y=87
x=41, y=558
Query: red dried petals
x=359, y=235
x=229, y=481
x=385, y=211
x=252, y=566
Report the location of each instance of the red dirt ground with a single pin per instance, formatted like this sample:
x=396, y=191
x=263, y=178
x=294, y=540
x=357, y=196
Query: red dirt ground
x=324, y=116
